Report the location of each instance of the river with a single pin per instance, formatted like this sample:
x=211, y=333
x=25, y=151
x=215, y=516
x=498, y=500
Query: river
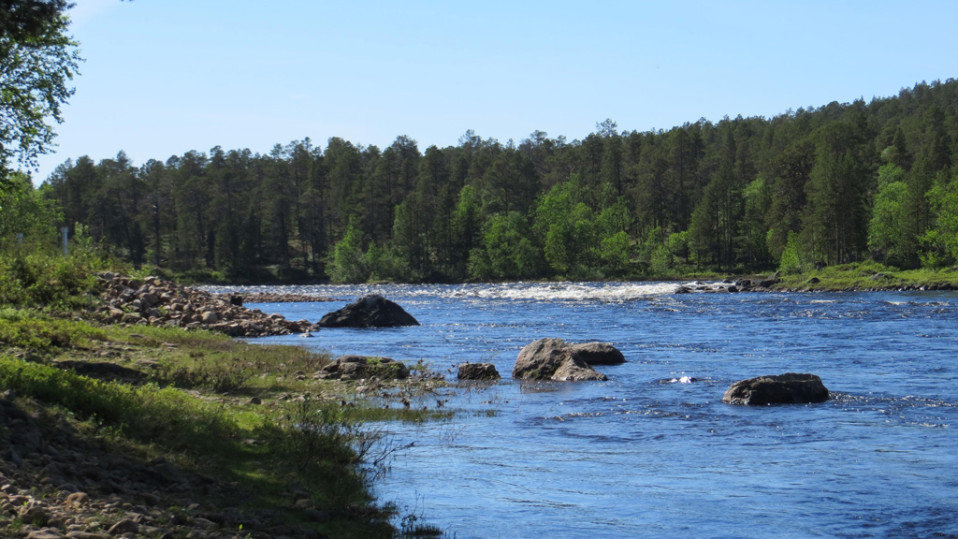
x=645, y=455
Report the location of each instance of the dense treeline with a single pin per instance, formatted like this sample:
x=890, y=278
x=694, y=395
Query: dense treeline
x=835, y=184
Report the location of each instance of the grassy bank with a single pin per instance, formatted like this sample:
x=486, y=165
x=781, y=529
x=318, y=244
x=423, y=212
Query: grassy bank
x=247, y=416
x=254, y=444
x=869, y=276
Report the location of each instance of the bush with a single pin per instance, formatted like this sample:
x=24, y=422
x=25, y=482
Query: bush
x=47, y=280
x=791, y=262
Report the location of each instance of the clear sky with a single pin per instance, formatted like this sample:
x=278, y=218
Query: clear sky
x=163, y=77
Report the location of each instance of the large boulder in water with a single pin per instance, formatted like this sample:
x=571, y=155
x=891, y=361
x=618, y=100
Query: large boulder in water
x=372, y=311
x=788, y=388
x=554, y=359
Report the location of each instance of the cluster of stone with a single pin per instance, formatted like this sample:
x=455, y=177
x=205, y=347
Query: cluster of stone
x=158, y=302
x=729, y=286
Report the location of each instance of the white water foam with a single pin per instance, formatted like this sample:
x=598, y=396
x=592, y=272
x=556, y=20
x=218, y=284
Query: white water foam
x=571, y=291
x=612, y=292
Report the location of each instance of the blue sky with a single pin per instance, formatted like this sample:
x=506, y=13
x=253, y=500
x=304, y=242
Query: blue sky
x=163, y=77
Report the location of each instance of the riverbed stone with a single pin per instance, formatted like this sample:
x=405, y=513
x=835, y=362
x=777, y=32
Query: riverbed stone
x=124, y=526
x=598, y=353
x=554, y=359
x=354, y=367
x=369, y=311
x=478, y=371
x=788, y=388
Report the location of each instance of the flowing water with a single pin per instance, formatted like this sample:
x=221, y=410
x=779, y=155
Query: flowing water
x=646, y=455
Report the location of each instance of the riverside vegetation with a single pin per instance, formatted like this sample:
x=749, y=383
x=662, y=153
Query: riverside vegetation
x=112, y=429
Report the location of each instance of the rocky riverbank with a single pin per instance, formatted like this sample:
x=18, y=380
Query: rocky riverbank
x=877, y=282
x=158, y=302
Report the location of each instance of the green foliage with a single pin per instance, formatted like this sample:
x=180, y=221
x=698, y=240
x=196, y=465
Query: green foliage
x=791, y=261
x=317, y=430
x=27, y=218
x=507, y=252
x=39, y=334
x=37, y=61
x=545, y=208
x=385, y=265
x=36, y=280
x=758, y=200
x=650, y=244
x=678, y=245
x=660, y=262
x=835, y=219
x=291, y=439
x=614, y=253
x=348, y=264
x=886, y=230
x=868, y=275
x=577, y=243
x=940, y=243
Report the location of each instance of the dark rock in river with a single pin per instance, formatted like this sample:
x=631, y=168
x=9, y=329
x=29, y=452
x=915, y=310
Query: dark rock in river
x=598, y=353
x=352, y=367
x=554, y=359
x=369, y=312
x=478, y=371
x=788, y=388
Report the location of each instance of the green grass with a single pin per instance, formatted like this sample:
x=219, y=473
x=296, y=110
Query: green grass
x=868, y=276
x=38, y=333
x=192, y=404
x=310, y=440
x=144, y=413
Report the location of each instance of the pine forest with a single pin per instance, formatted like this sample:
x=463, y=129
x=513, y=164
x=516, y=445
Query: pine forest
x=811, y=187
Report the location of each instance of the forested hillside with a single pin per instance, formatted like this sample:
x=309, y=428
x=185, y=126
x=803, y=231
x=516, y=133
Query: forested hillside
x=828, y=185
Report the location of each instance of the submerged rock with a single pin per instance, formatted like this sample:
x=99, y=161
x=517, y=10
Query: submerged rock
x=369, y=312
x=788, y=388
x=554, y=359
x=478, y=371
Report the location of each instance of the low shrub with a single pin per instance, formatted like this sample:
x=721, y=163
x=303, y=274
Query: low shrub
x=47, y=280
x=40, y=335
